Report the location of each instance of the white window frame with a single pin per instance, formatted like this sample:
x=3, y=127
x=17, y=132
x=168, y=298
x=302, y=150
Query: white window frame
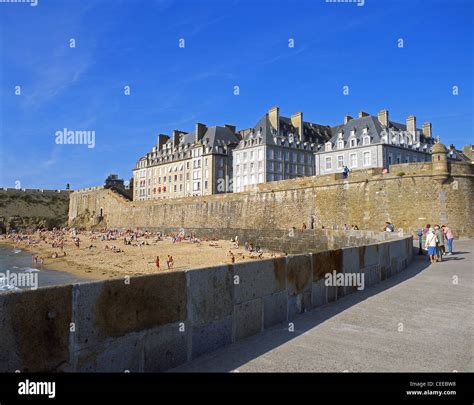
x=369, y=154
x=327, y=160
x=352, y=155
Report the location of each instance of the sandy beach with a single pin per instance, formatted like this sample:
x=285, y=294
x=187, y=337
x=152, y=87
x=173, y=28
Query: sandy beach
x=98, y=262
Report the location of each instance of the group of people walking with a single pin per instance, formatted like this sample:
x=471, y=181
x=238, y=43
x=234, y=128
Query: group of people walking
x=438, y=241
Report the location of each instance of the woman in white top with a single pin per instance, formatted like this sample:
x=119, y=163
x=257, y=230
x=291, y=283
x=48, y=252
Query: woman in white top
x=431, y=244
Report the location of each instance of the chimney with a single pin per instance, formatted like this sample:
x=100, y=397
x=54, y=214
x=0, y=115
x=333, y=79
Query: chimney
x=230, y=127
x=176, y=135
x=161, y=140
x=297, y=122
x=427, y=130
x=274, y=117
x=383, y=117
x=411, y=124
x=199, y=133
x=347, y=118
x=363, y=114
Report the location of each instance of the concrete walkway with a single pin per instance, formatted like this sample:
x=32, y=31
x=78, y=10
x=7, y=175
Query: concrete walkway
x=418, y=320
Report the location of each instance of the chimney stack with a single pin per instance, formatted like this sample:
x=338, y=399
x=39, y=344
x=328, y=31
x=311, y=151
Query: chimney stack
x=162, y=139
x=176, y=135
x=199, y=133
x=297, y=122
x=230, y=127
x=427, y=130
x=274, y=117
x=411, y=124
x=347, y=118
x=363, y=114
x=383, y=117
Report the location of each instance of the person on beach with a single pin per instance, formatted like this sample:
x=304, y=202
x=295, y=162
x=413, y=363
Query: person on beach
x=157, y=262
x=431, y=244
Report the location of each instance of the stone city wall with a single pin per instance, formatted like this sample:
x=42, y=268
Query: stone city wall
x=409, y=197
x=157, y=322
x=286, y=241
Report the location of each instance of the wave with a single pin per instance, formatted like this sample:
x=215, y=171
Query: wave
x=30, y=270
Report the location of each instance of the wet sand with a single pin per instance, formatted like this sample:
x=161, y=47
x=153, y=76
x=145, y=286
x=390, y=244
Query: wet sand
x=98, y=263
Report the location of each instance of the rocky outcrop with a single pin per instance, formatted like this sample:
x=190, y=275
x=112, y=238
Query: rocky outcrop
x=23, y=210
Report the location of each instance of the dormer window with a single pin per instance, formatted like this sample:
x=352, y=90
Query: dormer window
x=366, y=140
x=328, y=146
x=353, y=142
x=340, y=144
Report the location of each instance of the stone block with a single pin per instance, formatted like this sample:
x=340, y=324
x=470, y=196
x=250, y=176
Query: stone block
x=35, y=329
x=384, y=254
x=248, y=318
x=368, y=255
x=331, y=293
x=115, y=355
x=210, y=294
x=350, y=265
x=258, y=279
x=394, y=265
x=397, y=248
x=385, y=261
x=114, y=308
x=319, y=294
x=166, y=347
x=326, y=262
x=372, y=275
x=298, y=274
x=350, y=260
x=275, y=308
x=298, y=304
x=211, y=336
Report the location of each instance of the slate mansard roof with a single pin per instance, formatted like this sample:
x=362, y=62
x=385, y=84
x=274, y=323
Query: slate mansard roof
x=375, y=130
x=312, y=133
x=214, y=137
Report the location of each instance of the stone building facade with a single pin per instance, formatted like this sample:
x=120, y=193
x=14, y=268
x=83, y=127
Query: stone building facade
x=187, y=164
x=276, y=148
x=374, y=142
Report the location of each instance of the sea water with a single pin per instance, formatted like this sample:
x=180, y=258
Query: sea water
x=17, y=264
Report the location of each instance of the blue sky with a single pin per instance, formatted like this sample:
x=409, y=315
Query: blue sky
x=227, y=43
